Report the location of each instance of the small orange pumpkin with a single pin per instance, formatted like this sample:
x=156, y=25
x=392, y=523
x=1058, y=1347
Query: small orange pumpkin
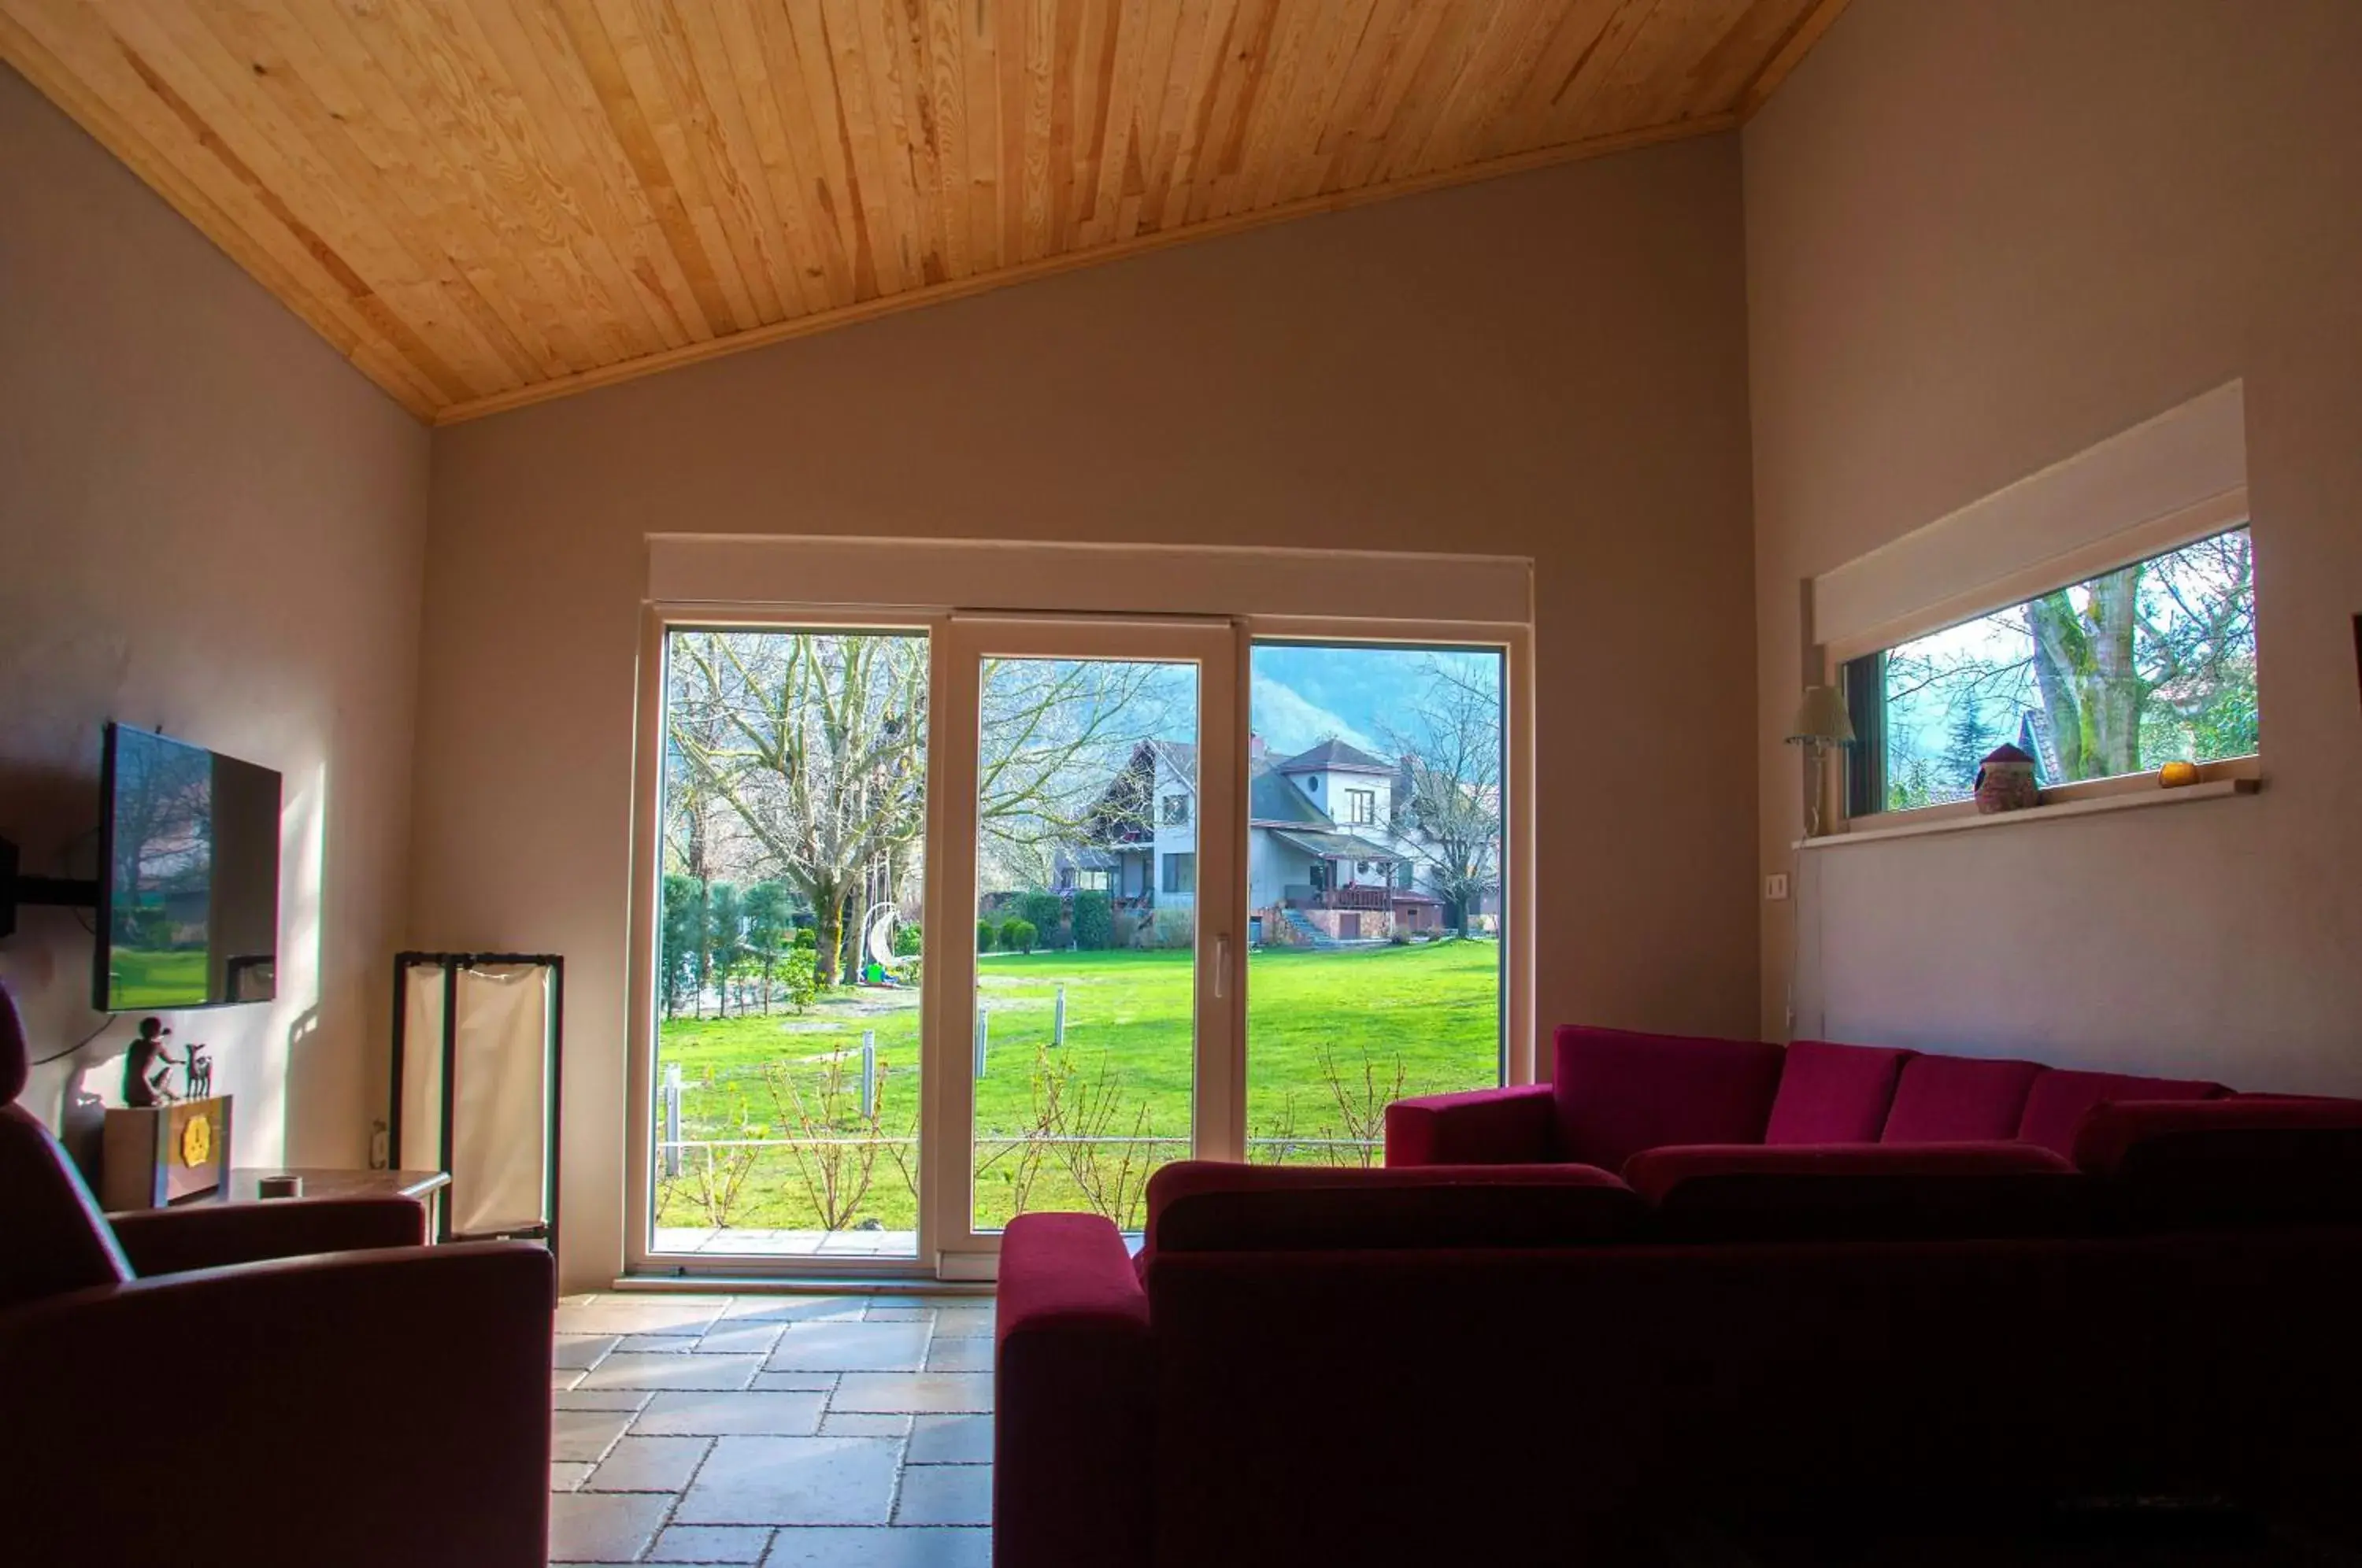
x=2175, y=775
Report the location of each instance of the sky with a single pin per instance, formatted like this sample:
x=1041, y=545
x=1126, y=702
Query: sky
x=1304, y=694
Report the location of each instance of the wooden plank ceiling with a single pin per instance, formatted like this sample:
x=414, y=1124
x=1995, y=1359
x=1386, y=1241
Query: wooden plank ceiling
x=485, y=202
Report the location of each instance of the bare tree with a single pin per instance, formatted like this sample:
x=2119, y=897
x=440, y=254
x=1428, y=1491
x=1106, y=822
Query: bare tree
x=815, y=744
x=1447, y=810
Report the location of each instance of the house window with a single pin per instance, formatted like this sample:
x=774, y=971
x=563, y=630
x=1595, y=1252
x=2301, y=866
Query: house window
x=2150, y=663
x=1362, y=806
x=1176, y=811
x=1092, y=881
x=1180, y=873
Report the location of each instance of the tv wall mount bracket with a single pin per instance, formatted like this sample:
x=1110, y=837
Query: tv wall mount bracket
x=16, y=890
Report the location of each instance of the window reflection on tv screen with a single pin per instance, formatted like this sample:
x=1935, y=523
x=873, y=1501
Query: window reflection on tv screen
x=191, y=879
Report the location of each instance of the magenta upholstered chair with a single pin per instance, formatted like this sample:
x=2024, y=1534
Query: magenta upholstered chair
x=278, y=1384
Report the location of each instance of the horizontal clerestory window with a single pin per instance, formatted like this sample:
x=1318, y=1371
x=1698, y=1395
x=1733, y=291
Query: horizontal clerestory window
x=2149, y=663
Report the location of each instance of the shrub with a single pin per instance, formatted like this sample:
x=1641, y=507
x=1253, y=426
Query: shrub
x=1172, y=928
x=1094, y=921
x=1045, y=912
x=907, y=939
x=984, y=935
x=805, y=939
x=1399, y=939
x=1017, y=935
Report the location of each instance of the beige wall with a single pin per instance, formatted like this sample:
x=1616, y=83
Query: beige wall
x=210, y=524
x=1980, y=239
x=1550, y=365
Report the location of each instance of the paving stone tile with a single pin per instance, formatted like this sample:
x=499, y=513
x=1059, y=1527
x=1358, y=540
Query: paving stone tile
x=626, y=1369
x=959, y=1356
x=568, y=1474
x=585, y=1434
x=897, y=1548
x=794, y=1382
x=945, y=1494
x=657, y=1344
x=641, y=1315
x=603, y=1527
x=564, y=1377
x=711, y=1543
x=952, y=1440
x=648, y=1465
x=793, y=1308
x=846, y=1423
x=793, y=1480
x=730, y=1415
x=599, y=1398
x=579, y=1352
x=728, y=1338
x=921, y=1393
x=851, y=1347
x=965, y=1322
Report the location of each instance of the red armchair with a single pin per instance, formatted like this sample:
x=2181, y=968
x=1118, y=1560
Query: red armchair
x=284, y=1383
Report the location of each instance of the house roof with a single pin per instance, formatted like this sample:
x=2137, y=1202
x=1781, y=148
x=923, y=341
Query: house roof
x=1333, y=755
x=1272, y=802
x=1332, y=845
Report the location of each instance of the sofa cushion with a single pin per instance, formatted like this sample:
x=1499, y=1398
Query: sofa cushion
x=1833, y=1094
x=2058, y=1101
x=1860, y=1191
x=2240, y=1160
x=1958, y=1099
x=1617, y=1093
x=1203, y=1206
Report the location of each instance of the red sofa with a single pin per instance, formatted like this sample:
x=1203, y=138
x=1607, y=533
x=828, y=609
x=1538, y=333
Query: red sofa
x=1826, y=1277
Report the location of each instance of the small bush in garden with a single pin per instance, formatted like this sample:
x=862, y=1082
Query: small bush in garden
x=1173, y=928
x=985, y=932
x=1094, y=921
x=1045, y=912
x=907, y=939
x=1017, y=935
x=1398, y=939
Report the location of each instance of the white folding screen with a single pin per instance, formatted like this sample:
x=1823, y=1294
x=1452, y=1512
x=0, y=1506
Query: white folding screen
x=480, y=1039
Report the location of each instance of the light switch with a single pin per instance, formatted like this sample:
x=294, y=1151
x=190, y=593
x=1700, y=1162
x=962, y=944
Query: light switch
x=1775, y=886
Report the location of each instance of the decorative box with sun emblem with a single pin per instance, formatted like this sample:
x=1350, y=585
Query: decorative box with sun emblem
x=159, y=1154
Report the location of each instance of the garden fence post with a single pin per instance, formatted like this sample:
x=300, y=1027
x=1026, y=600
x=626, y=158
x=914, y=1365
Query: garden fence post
x=983, y=1037
x=868, y=1073
x=672, y=1119
x=1058, y=1021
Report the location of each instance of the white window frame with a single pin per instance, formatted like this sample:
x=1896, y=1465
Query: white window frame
x=2160, y=535
x=1337, y=597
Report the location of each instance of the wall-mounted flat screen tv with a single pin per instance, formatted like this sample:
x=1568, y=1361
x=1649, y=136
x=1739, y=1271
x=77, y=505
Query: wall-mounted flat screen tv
x=188, y=882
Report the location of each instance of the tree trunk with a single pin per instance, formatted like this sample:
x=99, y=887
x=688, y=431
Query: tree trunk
x=2059, y=651
x=2116, y=693
x=828, y=930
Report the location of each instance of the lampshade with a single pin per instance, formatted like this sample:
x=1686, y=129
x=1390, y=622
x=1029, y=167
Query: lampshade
x=1821, y=716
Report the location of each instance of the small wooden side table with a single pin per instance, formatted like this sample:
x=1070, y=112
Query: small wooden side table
x=426, y=1187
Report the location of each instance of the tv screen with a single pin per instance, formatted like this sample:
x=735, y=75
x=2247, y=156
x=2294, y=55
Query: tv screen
x=188, y=886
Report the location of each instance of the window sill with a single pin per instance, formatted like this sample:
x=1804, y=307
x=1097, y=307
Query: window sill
x=2213, y=790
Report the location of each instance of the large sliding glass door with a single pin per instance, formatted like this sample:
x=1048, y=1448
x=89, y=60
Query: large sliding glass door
x=1097, y=854
x=976, y=915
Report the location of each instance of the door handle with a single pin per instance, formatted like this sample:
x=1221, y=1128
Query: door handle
x=1221, y=968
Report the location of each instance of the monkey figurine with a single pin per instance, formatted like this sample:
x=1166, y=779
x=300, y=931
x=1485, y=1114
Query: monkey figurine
x=144, y=1067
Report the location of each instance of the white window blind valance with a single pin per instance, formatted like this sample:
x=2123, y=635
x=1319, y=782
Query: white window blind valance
x=1146, y=580
x=2170, y=479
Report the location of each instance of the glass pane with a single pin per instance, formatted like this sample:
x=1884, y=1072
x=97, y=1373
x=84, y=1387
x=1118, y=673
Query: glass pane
x=2135, y=667
x=786, y=1061
x=1084, y=1043
x=1374, y=890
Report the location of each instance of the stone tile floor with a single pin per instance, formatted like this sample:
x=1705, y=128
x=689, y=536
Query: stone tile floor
x=798, y=1431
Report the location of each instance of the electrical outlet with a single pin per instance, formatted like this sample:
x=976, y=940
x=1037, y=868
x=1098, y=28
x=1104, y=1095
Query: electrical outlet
x=1775, y=886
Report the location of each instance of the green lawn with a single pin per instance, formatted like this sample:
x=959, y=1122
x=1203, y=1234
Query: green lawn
x=140, y=978
x=1331, y=1034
